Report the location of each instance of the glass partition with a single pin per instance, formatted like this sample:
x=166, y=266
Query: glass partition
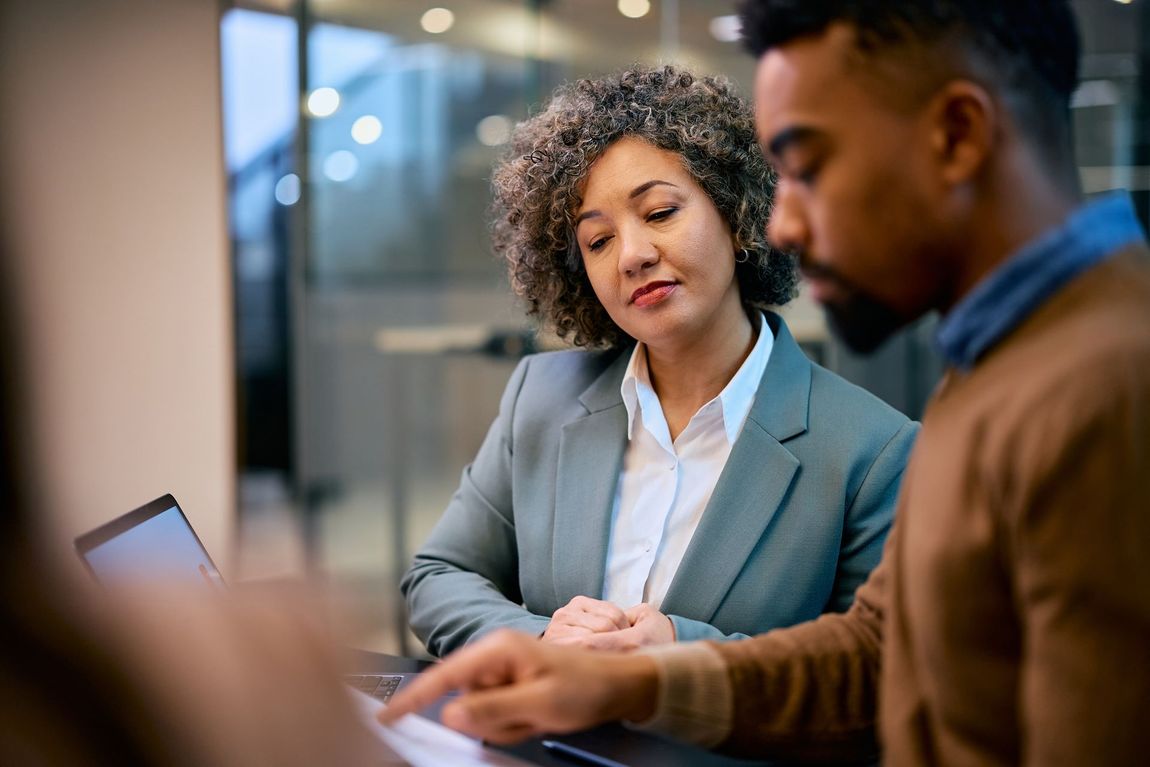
x=375, y=329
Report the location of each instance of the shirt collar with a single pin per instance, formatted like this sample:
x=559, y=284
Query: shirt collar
x=1002, y=300
x=736, y=397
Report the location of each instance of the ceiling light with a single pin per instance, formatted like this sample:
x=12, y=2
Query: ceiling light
x=634, y=9
x=367, y=129
x=726, y=29
x=323, y=102
x=288, y=190
x=437, y=20
x=493, y=130
x=340, y=166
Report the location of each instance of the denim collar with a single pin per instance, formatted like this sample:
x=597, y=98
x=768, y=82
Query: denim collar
x=1002, y=300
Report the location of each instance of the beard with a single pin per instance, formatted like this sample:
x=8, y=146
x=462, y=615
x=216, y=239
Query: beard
x=862, y=323
x=859, y=320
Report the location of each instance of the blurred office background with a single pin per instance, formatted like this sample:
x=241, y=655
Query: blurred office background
x=254, y=256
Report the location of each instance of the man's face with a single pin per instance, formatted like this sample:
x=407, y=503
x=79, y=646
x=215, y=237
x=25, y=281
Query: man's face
x=858, y=198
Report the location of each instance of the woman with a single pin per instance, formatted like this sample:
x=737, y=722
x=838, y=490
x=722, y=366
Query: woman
x=691, y=474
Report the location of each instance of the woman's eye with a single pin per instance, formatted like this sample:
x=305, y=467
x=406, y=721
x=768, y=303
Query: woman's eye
x=661, y=214
x=597, y=244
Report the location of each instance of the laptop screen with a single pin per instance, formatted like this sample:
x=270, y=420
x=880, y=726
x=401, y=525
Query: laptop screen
x=154, y=542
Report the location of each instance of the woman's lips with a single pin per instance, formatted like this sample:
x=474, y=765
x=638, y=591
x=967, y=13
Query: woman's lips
x=652, y=293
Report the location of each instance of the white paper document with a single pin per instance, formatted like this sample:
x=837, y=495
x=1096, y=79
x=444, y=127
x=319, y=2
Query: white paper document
x=423, y=743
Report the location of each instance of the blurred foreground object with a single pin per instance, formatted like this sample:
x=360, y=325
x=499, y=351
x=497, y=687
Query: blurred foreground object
x=164, y=675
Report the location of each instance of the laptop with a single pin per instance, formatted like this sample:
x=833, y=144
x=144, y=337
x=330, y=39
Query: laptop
x=156, y=541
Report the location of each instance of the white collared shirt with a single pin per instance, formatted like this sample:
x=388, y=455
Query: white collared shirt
x=664, y=487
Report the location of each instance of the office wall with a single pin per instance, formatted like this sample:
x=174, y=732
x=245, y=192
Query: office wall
x=113, y=188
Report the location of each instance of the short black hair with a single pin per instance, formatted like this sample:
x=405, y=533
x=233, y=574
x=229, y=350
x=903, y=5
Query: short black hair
x=1030, y=48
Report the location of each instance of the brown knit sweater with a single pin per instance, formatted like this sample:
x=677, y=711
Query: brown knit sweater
x=1009, y=620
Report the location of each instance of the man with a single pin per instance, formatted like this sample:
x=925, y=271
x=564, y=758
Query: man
x=924, y=159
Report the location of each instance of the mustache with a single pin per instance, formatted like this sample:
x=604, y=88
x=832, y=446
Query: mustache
x=812, y=269
x=858, y=319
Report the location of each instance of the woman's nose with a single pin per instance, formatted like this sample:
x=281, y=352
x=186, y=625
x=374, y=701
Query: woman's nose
x=636, y=253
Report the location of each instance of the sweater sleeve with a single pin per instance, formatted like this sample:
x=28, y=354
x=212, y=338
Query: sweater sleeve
x=694, y=703
x=806, y=692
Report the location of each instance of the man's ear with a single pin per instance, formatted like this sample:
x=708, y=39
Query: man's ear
x=965, y=124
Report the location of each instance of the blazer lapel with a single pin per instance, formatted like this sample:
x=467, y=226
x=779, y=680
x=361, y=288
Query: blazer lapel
x=590, y=458
x=752, y=485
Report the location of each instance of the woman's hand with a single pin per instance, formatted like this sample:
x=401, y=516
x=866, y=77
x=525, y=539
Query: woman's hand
x=648, y=627
x=582, y=617
x=598, y=625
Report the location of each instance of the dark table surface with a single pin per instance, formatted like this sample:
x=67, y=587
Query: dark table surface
x=635, y=749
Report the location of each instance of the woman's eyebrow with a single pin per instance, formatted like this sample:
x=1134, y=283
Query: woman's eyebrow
x=645, y=186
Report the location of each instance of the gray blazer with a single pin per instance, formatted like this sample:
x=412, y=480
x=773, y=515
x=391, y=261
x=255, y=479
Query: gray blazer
x=796, y=521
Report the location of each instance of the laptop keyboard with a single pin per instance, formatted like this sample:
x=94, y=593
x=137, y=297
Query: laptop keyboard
x=379, y=686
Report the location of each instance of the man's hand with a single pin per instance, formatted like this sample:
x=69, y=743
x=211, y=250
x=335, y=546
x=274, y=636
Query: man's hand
x=515, y=687
x=582, y=617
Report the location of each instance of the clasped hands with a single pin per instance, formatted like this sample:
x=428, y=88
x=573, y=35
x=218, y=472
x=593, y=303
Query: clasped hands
x=599, y=625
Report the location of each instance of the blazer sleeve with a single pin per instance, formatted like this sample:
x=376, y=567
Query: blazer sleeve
x=869, y=516
x=690, y=630
x=464, y=581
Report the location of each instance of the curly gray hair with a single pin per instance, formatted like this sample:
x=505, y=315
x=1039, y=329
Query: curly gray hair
x=537, y=187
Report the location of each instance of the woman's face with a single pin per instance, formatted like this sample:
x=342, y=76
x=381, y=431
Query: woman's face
x=659, y=255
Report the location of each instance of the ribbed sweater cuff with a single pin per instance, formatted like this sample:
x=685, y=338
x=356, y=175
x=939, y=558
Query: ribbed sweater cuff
x=694, y=703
